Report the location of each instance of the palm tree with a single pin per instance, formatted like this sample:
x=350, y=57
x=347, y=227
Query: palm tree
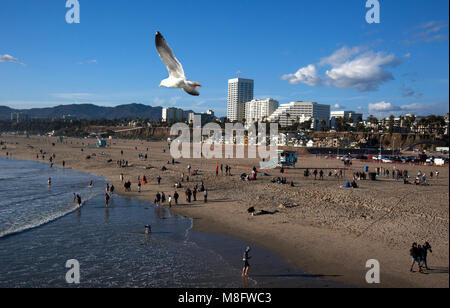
x=391, y=123
x=323, y=125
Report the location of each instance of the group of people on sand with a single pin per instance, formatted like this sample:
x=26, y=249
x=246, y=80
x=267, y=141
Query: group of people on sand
x=191, y=195
x=419, y=254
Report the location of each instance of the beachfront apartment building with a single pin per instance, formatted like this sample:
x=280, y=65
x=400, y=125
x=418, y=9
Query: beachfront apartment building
x=240, y=91
x=347, y=115
x=172, y=115
x=300, y=112
x=259, y=110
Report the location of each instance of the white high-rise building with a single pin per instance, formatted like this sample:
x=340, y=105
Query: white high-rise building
x=170, y=115
x=259, y=110
x=240, y=91
x=299, y=112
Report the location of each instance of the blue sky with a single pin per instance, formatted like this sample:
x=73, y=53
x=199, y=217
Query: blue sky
x=321, y=51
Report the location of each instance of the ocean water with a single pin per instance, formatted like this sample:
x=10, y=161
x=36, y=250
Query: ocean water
x=41, y=228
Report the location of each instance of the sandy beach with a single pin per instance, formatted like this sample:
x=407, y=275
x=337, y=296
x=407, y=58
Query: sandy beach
x=318, y=226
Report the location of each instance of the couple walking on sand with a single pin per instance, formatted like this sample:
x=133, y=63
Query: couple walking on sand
x=419, y=254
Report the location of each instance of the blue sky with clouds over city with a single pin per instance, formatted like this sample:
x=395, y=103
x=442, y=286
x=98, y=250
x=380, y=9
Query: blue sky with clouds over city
x=322, y=51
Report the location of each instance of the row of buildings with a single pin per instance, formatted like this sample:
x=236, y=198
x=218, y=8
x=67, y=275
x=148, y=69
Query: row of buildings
x=175, y=115
x=242, y=107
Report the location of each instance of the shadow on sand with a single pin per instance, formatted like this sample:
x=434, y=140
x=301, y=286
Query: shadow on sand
x=296, y=276
x=438, y=270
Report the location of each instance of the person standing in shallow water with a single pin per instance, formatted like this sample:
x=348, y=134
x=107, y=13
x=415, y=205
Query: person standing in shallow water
x=79, y=201
x=246, y=263
x=107, y=197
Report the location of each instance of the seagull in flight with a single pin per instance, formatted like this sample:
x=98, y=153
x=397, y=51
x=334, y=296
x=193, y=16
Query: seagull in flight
x=176, y=79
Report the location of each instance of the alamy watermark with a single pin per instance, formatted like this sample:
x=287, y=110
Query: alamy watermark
x=73, y=275
x=73, y=14
x=373, y=15
x=373, y=275
x=209, y=141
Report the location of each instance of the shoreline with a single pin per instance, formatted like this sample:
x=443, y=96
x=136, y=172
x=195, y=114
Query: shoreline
x=280, y=274
x=301, y=242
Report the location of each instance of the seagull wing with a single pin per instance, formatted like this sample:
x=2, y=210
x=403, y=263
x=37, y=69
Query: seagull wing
x=165, y=52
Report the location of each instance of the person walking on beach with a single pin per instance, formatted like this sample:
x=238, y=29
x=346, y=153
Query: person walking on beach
x=107, y=197
x=163, y=198
x=426, y=247
x=79, y=201
x=415, y=255
x=170, y=201
x=194, y=193
x=175, y=197
x=321, y=175
x=159, y=180
x=246, y=263
x=189, y=195
x=111, y=189
x=206, y=196
x=121, y=177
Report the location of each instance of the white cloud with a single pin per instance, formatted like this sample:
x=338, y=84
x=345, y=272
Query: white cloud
x=92, y=61
x=73, y=96
x=337, y=106
x=173, y=100
x=364, y=73
x=340, y=56
x=351, y=68
x=307, y=75
x=159, y=101
x=382, y=107
x=429, y=32
x=9, y=59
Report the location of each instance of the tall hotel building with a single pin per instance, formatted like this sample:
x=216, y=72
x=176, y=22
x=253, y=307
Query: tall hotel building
x=240, y=91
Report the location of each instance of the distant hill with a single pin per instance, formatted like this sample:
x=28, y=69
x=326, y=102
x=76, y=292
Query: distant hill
x=87, y=111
